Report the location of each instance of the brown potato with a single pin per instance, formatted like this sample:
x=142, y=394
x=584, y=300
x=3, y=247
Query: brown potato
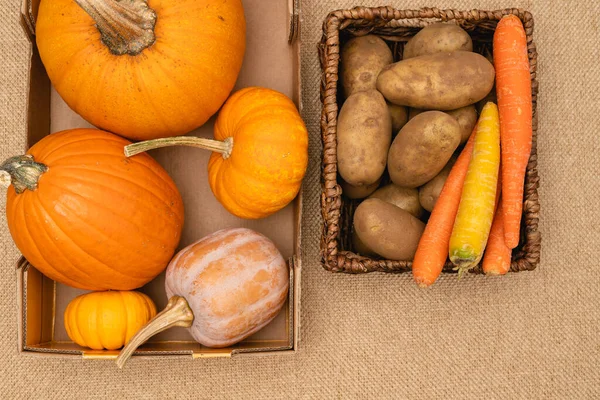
x=388, y=230
x=422, y=148
x=358, y=192
x=364, y=133
x=429, y=192
x=360, y=247
x=363, y=58
x=438, y=38
x=466, y=117
x=399, y=116
x=405, y=198
x=443, y=81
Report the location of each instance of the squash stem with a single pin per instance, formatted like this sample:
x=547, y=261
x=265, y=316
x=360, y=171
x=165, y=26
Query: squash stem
x=176, y=313
x=22, y=171
x=224, y=147
x=126, y=26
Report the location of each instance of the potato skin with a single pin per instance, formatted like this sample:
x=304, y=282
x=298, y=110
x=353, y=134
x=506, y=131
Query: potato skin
x=399, y=116
x=358, y=192
x=442, y=81
x=430, y=192
x=364, y=133
x=360, y=247
x=363, y=58
x=422, y=148
x=437, y=38
x=388, y=230
x=405, y=198
x=466, y=117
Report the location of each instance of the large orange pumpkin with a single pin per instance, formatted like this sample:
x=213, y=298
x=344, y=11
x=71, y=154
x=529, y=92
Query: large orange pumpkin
x=142, y=68
x=260, y=152
x=224, y=288
x=87, y=216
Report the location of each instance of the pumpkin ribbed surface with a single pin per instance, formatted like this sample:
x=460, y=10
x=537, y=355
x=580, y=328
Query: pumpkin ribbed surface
x=234, y=280
x=269, y=155
x=97, y=220
x=169, y=88
x=107, y=320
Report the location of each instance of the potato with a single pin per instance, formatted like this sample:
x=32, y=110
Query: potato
x=422, y=148
x=466, y=117
x=429, y=192
x=364, y=133
x=405, y=198
x=388, y=230
x=437, y=38
x=363, y=58
x=443, y=81
x=399, y=116
x=358, y=192
x=360, y=247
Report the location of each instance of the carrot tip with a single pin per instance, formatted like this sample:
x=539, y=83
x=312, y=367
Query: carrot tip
x=423, y=282
x=494, y=273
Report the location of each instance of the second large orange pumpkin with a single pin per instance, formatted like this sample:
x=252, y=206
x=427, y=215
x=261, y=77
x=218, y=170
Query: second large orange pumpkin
x=142, y=68
x=87, y=216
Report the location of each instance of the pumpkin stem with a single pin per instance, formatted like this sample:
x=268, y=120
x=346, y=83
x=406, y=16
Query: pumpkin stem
x=176, y=313
x=224, y=147
x=126, y=26
x=22, y=171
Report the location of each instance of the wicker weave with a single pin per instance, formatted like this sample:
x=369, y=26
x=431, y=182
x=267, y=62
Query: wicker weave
x=396, y=27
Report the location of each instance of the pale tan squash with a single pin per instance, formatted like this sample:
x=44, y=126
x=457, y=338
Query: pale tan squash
x=223, y=288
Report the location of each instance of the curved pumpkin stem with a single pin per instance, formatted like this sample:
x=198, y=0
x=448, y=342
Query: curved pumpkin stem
x=22, y=171
x=224, y=147
x=176, y=313
x=126, y=26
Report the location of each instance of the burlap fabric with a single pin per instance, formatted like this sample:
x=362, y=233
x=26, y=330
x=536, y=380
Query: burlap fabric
x=524, y=336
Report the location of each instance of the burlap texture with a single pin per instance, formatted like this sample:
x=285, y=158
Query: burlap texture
x=526, y=335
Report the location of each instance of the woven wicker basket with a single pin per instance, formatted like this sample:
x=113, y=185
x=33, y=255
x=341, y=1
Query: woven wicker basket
x=396, y=27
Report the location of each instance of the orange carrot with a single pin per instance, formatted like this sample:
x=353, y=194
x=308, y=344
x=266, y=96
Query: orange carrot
x=432, y=250
x=496, y=260
x=513, y=88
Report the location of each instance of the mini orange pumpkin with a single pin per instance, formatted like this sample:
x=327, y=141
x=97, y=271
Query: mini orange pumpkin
x=223, y=288
x=87, y=216
x=142, y=68
x=260, y=152
x=107, y=320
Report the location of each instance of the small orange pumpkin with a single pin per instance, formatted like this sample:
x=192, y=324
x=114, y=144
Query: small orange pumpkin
x=260, y=152
x=142, y=68
x=107, y=320
x=87, y=216
x=223, y=288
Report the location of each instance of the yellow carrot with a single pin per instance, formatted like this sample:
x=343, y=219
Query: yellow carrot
x=477, y=203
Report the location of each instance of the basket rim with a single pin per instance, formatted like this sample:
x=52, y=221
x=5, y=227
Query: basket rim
x=372, y=18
